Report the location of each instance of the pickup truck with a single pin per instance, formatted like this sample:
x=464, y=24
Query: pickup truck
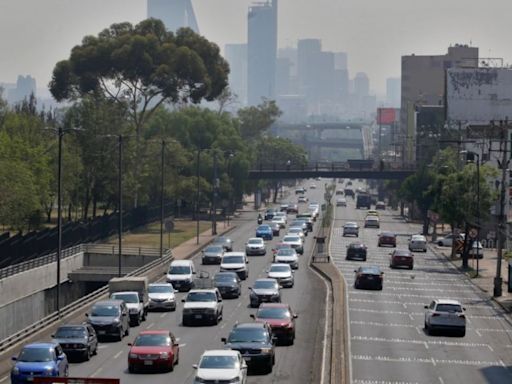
x=202, y=306
x=134, y=292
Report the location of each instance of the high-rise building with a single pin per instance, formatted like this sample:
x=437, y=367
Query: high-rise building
x=340, y=60
x=25, y=86
x=174, y=13
x=261, y=51
x=361, y=85
x=393, y=92
x=236, y=56
x=308, y=53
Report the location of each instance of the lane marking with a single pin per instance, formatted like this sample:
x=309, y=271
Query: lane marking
x=97, y=371
x=150, y=325
x=183, y=345
x=444, y=343
x=441, y=380
x=433, y=362
x=476, y=363
x=3, y=379
x=478, y=333
x=362, y=381
x=163, y=315
x=118, y=354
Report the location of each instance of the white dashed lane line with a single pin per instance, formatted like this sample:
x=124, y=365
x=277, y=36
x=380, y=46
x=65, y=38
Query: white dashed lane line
x=427, y=360
x=4, y=379
x=443, y=343
x=118, y=354
x=362, y=381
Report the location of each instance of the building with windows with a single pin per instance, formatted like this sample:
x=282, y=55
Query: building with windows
x=174, y=13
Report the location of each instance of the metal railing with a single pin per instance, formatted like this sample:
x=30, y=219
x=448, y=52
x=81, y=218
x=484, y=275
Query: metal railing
x=114, y=249
x=38, y=262
x=334, y=166
x=75, y=305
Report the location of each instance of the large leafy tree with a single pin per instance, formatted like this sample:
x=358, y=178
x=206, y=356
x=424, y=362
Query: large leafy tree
x=256, y=120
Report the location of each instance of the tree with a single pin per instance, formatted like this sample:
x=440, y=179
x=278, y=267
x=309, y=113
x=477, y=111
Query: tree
x=255, y=120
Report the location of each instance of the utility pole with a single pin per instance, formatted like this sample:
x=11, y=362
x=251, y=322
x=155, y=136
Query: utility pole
x=120, y=202
x=59, y=216
x=162, y=213
x=197, y=197
x=215, y=193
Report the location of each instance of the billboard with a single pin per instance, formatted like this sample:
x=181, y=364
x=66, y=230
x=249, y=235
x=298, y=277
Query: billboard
x=387, y=116
x=478, y=95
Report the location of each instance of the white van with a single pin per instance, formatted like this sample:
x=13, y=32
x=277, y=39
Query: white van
x=181, y=275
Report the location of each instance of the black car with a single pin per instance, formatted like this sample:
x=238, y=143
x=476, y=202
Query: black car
x=77, y=340
x=228, y=284
x=226, y=242
x=269, y=213
x=356, y=251
x=255, y=342
x=369, y=278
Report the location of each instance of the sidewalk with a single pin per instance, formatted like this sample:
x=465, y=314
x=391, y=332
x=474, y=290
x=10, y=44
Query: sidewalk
x=486, y=273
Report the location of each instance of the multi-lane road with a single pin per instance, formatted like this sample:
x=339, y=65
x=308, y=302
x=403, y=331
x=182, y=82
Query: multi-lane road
x=388, y=344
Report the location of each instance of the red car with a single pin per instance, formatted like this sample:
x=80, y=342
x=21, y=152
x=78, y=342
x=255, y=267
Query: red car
x=279, y=246
x=387, y=238
x=156, y=349
x=281, y=319
x=401, y=258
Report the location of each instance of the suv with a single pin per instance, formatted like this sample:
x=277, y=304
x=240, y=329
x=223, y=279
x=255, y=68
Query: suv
x=135, y=306
x=295, y=242
x=351, y=228
x=356, y=251
x=255, y=342
x=445, y=314
x=110, y=318
x=77, y=340
x=235, y=262
x=401, y=258
x=371, y=222
x=264, y=291
x=202, y=305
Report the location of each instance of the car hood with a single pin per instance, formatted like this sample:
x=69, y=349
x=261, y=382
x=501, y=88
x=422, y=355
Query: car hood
x=261, y=292
x=233, y=266
x=226, y=284
x=102, y=319
x=71, y=340
x=161, y=296
x=274, y=322
x=286, y=258
x=35, y=365
x=291, y=243
x=200, y=304
x=178, y=277
x=277, y=275
x=149, y=350
x=247, y=345
x=255, y=246
x=217, y=374
x=133, y=305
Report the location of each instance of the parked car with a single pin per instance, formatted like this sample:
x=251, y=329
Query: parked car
x=225, y=241
x=181, y=275
x=269, y=213
x=235, y=262
x=418, y=243
x=221, y=366
x=370, y=277
x=295, y=241
x=401, y=258
x=276, y=228
x=372, y=222
x=445, y=315
x=281, y=319
x=283, y=273
x=255, y=342
x=77, y=340
x=387, y=238
x=264, y=291
x=255, y=246
x=447, y=240
x=110, y=318
x=265, y=231
x=212, y=254
x=153, y=350
x=228, y=284
x=287, y=256
x=161, y=296
x=350, y=228
x=341, y=202
x=380, y=205
x=356, y=251
x=39, y=359
x=202, y=306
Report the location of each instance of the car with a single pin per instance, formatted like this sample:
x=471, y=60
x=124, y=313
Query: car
x=314, y=208
x=276, y=229
x=447, y=240
x=300, y=190
x=265, y=231
x=312, y=186
x=161, y=296
x=269, y=213
x=221, y=366
x=307, y=217
x=136, y=309
x=281, y=221
x=302, y=224
x=339, y=192
x=351, y=228
x=387, y=238
x=341, y=202
x=401, y=258
x=153, y=350
x=372, y=222
x=418, y=243
x=39, y=359
x=283, y=207
x=296, y=231
x=356, y=251
x=281, y=319
x=476, y=250
x=445, y=315
x=302, y=199
x=181, y=275
x=380, y=205
x=349, y=192
x=287, y=256
x=109, y=318
x=349, y=182
x=235, y=262
x=228, y=284
x=279, y=246
x=283, y=273
x=212, y=254
x=372, y=212
x=255, y=246
x=255, y=342
x=225, y=241
x=284, y=215
x=295, y=241
x=370, y=277
x=264, y=291
x=202, y=306
x=78, y=340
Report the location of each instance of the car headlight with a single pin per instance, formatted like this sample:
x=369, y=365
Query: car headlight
x=266, y=350
x=210, y=311
x=164, y=355
x=133, y=356
x=15, y=370
x=49, y=370
x=171, y=298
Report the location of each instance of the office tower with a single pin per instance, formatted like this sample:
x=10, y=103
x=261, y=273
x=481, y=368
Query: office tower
x=361, y=85
x=393, y=92
x=308, y=53
x=340, y=60
x=262, y=51
x=236, y=56
x=25, y=86
x=174, y=13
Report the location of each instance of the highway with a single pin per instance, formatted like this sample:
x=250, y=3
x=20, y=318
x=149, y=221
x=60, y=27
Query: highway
x=294, y=364
x=387, y=341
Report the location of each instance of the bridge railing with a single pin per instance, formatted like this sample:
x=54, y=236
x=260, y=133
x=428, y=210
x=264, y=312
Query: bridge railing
x=335, y=166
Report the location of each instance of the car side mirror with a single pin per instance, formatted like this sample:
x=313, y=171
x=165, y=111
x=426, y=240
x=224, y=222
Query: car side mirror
x=223, y=339
x=219, y=300
x=193, y=272
x=355, y=270
x=247, y=262
x=194, y=366
x=426, y=307
x=252, y=316
x=295, y=316
x=14, y=358
x=86, y=315
x=249, y=288
x=463, y=308
x=129, y=344
x=52, y=336
x=182, y=300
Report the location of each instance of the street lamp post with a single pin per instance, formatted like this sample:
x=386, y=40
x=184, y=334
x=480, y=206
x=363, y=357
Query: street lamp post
x=59, y=216
x=120, y=202
x=197, y=196
x=215, y=193
x=162, y=213
x=477, y=239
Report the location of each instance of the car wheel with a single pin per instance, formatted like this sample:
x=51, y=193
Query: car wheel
x=121, y=334
x=88, y=354
x=462, y=332
x=131, y=369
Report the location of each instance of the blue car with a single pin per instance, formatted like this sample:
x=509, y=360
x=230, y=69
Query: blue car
x=265, y=231
x=39, y=359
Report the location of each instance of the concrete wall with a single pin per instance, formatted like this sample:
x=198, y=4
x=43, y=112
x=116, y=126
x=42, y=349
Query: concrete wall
x=111, y=260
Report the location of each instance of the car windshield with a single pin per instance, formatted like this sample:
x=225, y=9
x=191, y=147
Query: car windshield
x=451, y=308
x=356, y=245
x=105, y=310
x=370, y=271
x=224, y=278
x=36, y=354
x=279, y=268
x=273, y=313
x=214, y=249
x=248, y=335
x=126, y=297
x=265, y=284
x=295, y=230
x=70, y=332
x=255, y=241
x=286, y=252
x=417, y=238
x=350, y=225
x=233, y=260
x=152, y=340
x=221, y=240
x=387, y=234
x=179, y=270
x=219, y=362
x=160, y=289
x=201, y=296
x=291, y=238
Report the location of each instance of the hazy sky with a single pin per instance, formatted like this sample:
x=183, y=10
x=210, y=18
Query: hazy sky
x=35, y=34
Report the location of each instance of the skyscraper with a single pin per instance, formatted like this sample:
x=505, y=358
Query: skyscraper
x=393, y=92
x=361, y=85
x=236, y=56
x=174, y=13
x=261, y=51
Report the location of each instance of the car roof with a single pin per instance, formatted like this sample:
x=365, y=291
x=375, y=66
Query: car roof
x=211, y=290
x=109, y=302
x=250, y=325
x=235, y=253
x=225, y=273
x=41, y=345
x=181, y=262
x=274, y=305
x=72, y=325
x=447, y=301
x=280, y=264
x=154, y=332
x=386, y=233
x=255, y=238
x=351, y=223
x=356, y=244
x=160, y=285
x=370, y=269
x=372, y=218
x=417, y=237
x=221, y=352
x=266, y=279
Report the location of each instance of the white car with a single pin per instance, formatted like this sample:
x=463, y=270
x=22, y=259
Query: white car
x=202, y=305
x=295, y=242
x=282, y=273
x=447, y=240
x=418, y=243
x=281, y=221
x=447, y=315
x=314, y=208
x=255, y=246
x=284, y=215
x=341, y=202
x=221, y=366
x=296, y=231
x=312, y=186
x=161, y=296
x=287, y=256
x=136, y=309
x=235, y=262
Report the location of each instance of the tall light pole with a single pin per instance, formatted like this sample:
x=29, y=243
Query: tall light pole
x=120, y=202
x=477, y=239
x=197, y=196
x=162, y=213
x=60, y=133
x=215, y=193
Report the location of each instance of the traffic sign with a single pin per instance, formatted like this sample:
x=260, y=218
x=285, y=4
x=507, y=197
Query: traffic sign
x=473, y=233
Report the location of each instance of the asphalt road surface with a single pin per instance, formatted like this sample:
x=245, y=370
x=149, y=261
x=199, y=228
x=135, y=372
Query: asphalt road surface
x=387, y=341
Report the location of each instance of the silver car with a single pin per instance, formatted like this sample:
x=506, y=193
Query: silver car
x=351, y=228
x=161, y=296
x=418, y=243
x=445, y=315
x=212, y=254
x=255, y=246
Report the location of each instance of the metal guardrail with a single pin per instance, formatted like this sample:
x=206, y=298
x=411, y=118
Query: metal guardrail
x=114, y=249
x=38, y=262
x=75, y=305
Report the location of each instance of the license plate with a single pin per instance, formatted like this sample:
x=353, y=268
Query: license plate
x=198, y=316
x=102, y=332
x=30, y=378
x=370, y=277
x=148, y=362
